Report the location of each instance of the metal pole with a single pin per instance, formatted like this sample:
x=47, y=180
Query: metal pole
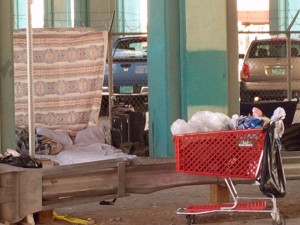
x=7, y=106
x=31, y=122
x=288, y=52
x=110, y=78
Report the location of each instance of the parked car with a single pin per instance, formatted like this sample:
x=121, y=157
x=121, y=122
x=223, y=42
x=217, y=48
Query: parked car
x=129, y=72
x=265, y=70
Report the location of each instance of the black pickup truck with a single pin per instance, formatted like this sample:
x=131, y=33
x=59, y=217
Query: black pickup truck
x=129, y=73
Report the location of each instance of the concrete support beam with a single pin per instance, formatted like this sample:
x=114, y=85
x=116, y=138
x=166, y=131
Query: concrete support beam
x=210, y=56
x=193, y=64
x=7, y=115
x=163, y=73
x=219, y=194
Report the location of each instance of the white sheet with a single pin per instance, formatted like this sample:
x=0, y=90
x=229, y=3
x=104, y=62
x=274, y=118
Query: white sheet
x=86, y=153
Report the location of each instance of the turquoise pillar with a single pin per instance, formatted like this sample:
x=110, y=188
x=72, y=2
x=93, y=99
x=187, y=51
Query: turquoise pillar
x=82, y=13
x=129, y=15
x=282, y=13
x=57, y=13
x=193, y=64
x=20, y=17
x=208, y=44
x=163, y=73
x=7, y=115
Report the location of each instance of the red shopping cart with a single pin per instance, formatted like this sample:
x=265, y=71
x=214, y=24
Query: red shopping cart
x=225, y=154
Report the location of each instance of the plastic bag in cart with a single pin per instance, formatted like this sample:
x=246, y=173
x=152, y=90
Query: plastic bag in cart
x=272, y=181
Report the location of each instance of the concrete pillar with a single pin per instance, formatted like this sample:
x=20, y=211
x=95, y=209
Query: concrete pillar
x=219, y=194
x=105, y=9
x=210, y=71
x=163, y=73
x=82, y=13
x=193, y=63
x=55, y=13
x=7, y=113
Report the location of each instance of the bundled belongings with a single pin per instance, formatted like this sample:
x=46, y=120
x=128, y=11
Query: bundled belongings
x=272, y=180
x=268, y=108
x=14, y=158
x=203, y=121
x=128, y=126
x=252, y=154
x=256, y=119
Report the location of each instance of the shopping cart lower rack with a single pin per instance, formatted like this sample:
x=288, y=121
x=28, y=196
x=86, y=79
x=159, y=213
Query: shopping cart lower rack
x=225, y=154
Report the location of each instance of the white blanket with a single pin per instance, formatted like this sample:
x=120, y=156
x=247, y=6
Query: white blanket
x=86, y=153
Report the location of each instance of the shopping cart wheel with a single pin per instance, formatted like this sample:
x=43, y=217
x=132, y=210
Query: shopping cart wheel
x=190, y=219
x=281, y=219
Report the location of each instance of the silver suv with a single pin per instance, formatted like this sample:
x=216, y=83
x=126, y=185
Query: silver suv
x=264, y=71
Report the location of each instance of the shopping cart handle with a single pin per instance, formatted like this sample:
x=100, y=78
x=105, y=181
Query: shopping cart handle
x=267, y=125
x=277, y=119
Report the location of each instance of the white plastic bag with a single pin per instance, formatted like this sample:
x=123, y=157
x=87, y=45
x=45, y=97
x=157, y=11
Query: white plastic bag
x=203, y=121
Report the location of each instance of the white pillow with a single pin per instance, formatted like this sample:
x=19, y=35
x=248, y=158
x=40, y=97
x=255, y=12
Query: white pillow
x=90, y=135
x=57, y=136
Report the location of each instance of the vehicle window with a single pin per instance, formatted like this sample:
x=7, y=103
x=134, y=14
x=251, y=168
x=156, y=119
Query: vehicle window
x=131, y=49
x=273, y=49
x=268, y=49
x=295, y=49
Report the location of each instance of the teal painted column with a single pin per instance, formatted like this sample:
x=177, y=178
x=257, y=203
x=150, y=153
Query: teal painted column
x=193, y=64
x=20, y=14
x=57, y=13
x=232, y=58
x=282, y=13
x=7, y=112
x=130, y=15
x=209, y=57
x=82, y=13
x=163, y=73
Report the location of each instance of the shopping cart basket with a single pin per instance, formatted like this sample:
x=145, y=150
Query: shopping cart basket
x=225, y=154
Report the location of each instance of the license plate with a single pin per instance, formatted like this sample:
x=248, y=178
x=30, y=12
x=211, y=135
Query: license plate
x=126, y=89
x=278, y=71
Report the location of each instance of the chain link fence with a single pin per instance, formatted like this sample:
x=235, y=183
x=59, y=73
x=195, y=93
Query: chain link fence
x=125, y=81
x=126, y=76
x=270, y=68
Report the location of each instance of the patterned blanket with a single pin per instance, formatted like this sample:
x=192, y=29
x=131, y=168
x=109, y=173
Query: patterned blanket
x=68, y=70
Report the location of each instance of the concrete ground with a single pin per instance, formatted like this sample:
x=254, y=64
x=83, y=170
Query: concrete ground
x=159, y=208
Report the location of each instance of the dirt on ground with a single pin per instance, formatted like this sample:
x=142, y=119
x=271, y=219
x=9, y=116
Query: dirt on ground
x=159, y=208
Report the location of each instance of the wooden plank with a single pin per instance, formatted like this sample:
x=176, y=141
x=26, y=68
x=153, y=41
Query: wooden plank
x=8, y=212
x=22, y=192
x=218, y=194
x=82, y=168
x=30, y=191
x=143, y=161
x=49, y=188
x=45, y=217
x=5, y=168
x=7, y=194
x=122, y=180
x=68, y=186
x=149, y=178
x=9, y=207
x=80, y=192
x=59, y=203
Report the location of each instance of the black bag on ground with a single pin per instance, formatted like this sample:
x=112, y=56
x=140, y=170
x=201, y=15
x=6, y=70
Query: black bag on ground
x=127, y=127
x=135, y=148
x=121, y=109
x=272, y=180
x=24, y=160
